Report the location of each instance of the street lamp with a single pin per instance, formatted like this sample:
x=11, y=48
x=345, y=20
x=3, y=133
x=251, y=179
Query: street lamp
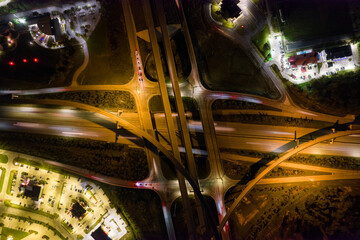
x=22, y=20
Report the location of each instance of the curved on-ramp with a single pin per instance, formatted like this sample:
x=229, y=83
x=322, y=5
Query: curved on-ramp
x=284, y=157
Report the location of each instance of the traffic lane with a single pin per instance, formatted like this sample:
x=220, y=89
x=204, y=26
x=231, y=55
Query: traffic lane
x=275, y=145
x=61, y=115
x=339, y=147
x=261, y=130
x=234, y=130
x=307, y=179
x=258, y=137
x=194, y=126
x=256, y=143
x=94, y=132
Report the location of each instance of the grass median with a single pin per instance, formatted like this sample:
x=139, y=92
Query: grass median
x=12, y=205
x=3, y=172
x=3, y=158
x=15, y=234
x=9, y=186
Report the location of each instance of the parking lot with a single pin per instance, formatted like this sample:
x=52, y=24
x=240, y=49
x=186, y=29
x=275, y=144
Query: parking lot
x=301, y=74
x=58, y=193
x=36, y=231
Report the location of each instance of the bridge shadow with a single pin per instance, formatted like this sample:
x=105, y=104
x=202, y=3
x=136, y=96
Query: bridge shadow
x=110, y=125
x=254, y=168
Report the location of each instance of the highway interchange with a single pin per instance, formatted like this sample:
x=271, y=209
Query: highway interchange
x=76, y=123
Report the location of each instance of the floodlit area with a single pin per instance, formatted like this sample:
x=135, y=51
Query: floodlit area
x=305, y=65
x=74, y=21
x=43, y=203
x=304, y=47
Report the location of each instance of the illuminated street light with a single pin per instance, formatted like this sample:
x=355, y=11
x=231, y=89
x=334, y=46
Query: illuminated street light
x=22, y=20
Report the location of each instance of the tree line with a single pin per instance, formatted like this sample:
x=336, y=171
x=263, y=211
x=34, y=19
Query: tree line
x=111, y=159
x=138, y=208
x=221, y=104
x=337, y=94
x=265, y=119
x=110, y=100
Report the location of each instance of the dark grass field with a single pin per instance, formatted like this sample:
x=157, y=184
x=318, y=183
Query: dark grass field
x=138, y=15
x=109, y=50
x=223, y=65
x=309, y=19
x=54, y=67
x=36, y=73
x=179, y=218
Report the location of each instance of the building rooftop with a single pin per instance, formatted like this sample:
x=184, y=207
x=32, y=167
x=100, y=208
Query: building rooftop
x=56, y=29
x=44, y=25
x=48, y=26
x=303, y=59
x=230, y=7
x=338, y=52
x=32, y=190
x=99, y=234
x=77, y=210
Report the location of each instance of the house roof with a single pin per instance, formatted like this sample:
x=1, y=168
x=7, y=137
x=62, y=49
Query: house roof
x=304, y=59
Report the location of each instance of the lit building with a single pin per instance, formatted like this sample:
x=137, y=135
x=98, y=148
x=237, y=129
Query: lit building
x=49, y=26
x=303, y=59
